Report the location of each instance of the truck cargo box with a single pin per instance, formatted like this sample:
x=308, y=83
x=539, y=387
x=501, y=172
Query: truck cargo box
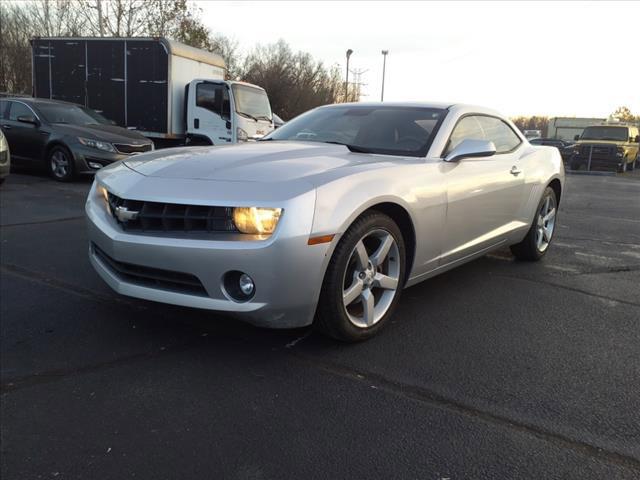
x=137, y=82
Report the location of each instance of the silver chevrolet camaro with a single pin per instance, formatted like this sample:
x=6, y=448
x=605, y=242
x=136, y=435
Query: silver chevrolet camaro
x=326, y=219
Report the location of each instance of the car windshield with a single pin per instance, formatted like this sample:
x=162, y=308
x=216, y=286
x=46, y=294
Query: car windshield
x=72, y=114
x=390, y=130
x=605, y=133
x=251, y=102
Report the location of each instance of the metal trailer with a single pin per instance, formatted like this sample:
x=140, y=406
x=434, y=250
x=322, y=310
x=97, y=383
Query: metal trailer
x=137, y=82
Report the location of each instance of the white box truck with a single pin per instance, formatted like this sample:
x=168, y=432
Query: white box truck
x=170, y=92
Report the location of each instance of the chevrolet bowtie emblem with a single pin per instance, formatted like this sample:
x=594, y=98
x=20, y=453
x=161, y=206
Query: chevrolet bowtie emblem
x=124, y=215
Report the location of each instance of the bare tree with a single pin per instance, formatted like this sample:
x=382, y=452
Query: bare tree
x=295, y=81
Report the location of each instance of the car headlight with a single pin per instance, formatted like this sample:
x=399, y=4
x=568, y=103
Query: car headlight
x=241, y=135
x=620, y=152
x=256, y=220
x=100, y=145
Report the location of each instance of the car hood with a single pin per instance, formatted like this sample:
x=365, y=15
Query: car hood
x=106, y=133
x=253, y=162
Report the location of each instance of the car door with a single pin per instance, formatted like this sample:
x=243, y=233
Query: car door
x=484, y=194
x=24, y=139
x=209, y=111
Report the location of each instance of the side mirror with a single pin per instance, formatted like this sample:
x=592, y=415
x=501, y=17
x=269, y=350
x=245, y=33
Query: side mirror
x=471, y=149
x=637, y=140
x=28, y=119
x=576, y=137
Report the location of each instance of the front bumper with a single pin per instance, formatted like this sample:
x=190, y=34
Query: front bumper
x=287, y=272
x=90, y=160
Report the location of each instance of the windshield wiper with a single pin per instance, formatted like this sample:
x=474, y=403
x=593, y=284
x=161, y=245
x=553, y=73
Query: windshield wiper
x=352, y=148
x=263, y=117
x=248, y=116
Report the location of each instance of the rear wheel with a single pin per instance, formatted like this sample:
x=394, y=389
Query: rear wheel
x=363, y=280
x=60, y=164
x=535, y=245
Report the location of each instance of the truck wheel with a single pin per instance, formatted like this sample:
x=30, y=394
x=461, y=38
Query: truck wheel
x=623, y=167
x=60, y=164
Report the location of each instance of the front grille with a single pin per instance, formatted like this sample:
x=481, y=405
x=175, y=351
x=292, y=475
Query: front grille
x=598, y=150
x=137, y=215
x=129, y=149
x=151, y=277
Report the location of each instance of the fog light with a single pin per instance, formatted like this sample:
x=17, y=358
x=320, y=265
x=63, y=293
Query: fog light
x=238, y=286
x=246, y=284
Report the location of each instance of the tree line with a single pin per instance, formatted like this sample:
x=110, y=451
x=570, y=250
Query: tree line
x=295, y=81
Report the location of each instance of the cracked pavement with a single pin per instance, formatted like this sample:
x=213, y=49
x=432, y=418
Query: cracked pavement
x=497, y=369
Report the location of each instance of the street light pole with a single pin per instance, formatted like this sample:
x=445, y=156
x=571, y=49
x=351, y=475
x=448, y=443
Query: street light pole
x=346, y=83
x=384, y=66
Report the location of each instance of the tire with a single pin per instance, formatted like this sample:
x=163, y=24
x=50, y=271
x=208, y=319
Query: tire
x=536, y=244
x=60, y=164
x=377, y=285
x=623, y=167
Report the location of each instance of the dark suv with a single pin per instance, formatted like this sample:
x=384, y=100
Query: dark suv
x=67, y=139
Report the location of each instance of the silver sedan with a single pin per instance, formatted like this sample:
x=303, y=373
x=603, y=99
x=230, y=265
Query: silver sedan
x=328, y=218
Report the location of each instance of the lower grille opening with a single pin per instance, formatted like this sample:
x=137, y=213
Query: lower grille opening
x=151, y=277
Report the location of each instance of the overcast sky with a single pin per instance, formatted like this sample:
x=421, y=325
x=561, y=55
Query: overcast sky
x=547, y=58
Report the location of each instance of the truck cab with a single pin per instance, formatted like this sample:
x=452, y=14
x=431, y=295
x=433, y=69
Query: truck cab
x=220, y=112
x=610, y=146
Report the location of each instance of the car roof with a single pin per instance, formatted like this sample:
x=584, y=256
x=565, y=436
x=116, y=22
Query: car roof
x=459, y=108
x=38, y=101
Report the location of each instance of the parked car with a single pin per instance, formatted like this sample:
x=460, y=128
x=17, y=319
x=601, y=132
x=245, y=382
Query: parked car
x=612, y=146
x=5, y=158
x=65, y=138
x=566, y=148
x=328, y=218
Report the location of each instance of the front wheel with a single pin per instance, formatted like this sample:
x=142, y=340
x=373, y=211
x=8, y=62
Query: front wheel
x=534, y=246
x=363, y=280
x=60, y=164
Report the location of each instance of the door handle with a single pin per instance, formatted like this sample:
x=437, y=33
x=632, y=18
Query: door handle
x=515, y=171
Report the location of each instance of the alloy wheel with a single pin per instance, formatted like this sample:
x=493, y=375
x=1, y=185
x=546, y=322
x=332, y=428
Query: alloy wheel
x=371, y=279
x=546, y=222
x=59, y=164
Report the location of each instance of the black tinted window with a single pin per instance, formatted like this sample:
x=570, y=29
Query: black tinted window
x=3, y=108
x=214, y=98
x=19, y=110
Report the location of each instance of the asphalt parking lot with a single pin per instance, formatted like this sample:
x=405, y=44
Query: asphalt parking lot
x=498, y=369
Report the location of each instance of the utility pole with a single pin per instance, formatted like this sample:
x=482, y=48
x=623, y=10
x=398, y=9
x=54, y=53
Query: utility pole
x=346, y=83
x=357, y=83
x=384, y=66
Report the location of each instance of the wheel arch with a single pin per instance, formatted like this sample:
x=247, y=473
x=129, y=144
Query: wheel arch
x=51, y=145
x=402, y=218
x=557, y=188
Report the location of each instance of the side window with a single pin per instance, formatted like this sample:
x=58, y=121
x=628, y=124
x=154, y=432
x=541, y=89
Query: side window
x=214, y=98
x=3, y=108
x=467, y=129
x=498, y=132
x=18, y=110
